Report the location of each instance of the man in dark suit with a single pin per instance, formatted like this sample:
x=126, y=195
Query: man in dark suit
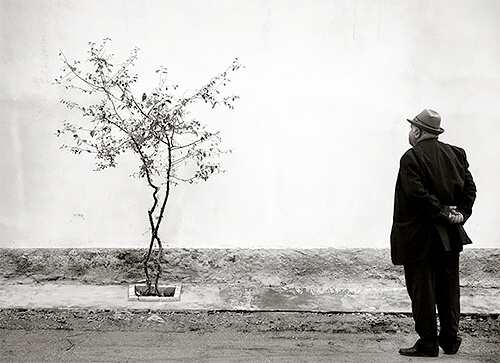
x=434, y=196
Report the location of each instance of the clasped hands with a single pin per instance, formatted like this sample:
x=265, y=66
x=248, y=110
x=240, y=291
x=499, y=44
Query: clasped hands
x=455, y=216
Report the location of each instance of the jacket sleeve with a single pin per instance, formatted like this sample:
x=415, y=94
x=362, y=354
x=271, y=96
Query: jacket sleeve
x=465, y=204
x=414, y=188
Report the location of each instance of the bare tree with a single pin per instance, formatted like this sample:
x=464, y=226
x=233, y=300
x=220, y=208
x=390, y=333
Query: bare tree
x=171, y=147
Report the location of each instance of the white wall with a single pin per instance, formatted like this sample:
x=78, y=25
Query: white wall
x=317, y=134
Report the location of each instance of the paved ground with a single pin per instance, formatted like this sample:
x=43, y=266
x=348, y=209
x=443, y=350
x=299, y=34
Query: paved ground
x=219, y=347
x=93, y=335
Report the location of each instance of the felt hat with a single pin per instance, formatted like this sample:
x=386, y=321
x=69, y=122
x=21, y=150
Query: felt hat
x=429, y=120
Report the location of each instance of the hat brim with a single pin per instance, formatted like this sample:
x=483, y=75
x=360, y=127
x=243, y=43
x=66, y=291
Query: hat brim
x=425, y=127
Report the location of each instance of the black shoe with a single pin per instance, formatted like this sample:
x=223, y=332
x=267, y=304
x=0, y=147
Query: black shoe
x=451, y=348
x=414, y=352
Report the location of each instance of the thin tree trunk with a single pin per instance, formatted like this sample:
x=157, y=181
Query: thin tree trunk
x=155, y=227
x=158, y=259
x=153, y=233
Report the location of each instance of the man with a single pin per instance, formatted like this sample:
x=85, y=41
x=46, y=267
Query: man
x=434, y=196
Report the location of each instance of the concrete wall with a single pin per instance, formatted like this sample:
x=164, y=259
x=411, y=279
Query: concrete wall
x=317, y=134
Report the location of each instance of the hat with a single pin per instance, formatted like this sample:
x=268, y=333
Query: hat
x=429, y=120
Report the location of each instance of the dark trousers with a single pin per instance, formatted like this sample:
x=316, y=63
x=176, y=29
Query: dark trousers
x=429, y=283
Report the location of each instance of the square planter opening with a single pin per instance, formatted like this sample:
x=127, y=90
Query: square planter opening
x=168, y=293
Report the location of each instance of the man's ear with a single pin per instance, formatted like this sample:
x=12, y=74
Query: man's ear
x=418, y=132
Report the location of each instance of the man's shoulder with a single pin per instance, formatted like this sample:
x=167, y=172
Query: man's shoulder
x=451, y=148
x=408, y=154
x=430, y=146
x=409, y=157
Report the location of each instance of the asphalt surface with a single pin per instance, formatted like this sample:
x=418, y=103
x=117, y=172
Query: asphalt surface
x=220, y=347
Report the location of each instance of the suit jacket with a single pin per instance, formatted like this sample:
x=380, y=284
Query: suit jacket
x=432, y=176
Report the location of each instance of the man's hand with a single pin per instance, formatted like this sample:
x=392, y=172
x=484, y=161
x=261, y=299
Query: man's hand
x=455, y=216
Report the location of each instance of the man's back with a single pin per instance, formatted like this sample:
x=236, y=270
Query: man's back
x=444, y=170
x=433, y=176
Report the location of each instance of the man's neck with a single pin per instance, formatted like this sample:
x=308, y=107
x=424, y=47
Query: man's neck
x=424, y=137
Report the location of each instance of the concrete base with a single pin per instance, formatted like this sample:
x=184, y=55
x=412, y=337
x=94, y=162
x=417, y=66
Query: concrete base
x=133, y=296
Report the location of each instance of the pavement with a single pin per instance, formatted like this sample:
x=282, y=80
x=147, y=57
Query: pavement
x=372, y=297
x=159, y=342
